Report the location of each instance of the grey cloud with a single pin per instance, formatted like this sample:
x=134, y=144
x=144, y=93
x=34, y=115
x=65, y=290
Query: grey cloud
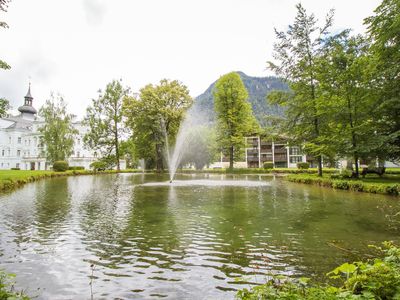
x=94, y=11
x=32, y=66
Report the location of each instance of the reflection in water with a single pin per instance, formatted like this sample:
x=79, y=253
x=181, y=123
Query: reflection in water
x=181, y=240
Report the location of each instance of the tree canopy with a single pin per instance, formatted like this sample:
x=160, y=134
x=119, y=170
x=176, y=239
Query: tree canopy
x=234, y=114
x=154, y=115
x=104, y=120
x=57, y=131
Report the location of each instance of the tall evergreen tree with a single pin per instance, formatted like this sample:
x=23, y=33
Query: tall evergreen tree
x=57, y=132
x=104, y=119
x=234, y=115
x=296, y=53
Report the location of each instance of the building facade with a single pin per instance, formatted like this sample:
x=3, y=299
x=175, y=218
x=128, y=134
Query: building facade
x=260, y=150
x=21, y=146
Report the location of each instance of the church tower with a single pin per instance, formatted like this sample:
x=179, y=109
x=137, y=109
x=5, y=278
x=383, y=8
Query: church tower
x=27, y=110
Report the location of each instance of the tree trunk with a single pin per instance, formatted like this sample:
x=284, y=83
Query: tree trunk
x=159, y=158
x=231, y=157
x=357, y=173
x=320, y=165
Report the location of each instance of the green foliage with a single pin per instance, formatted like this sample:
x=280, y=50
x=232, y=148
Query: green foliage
x=3, y=7
x=268, y=165
x=303, y=165
x=98, y=165
x=234, y=116
x=4, y=107
x=376, y=279
x=201, y=147
x=7, y=292
x=60, y=166
x=157, y=113
x=57, y=132
x=15, y=169
x=104, y=119
x=383, y=29
x=258, y=88
x=76, y=168
x=384, y=186
x=297, y=53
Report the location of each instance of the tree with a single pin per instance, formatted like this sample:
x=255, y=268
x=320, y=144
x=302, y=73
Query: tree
x=201, y=147
x=57, y=132
x=383, y=30
x=234, y=115
x=346, y=80
x=104, y=119
x=3, y=7
x=297, y=52
x=4, y=107
x=154, y=116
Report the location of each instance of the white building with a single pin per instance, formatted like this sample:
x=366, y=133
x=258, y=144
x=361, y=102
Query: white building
x=20, y=143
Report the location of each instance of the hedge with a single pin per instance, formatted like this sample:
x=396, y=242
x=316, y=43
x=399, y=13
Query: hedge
x=352, y=185
x=60, y=166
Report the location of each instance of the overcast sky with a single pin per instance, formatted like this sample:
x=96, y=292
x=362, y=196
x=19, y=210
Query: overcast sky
x=75, y=47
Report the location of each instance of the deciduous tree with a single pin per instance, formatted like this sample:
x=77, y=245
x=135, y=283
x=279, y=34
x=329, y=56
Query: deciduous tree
x=57, y=132
x=234, y=115
x=104, y=119
x=384, y=32
x=155, y=115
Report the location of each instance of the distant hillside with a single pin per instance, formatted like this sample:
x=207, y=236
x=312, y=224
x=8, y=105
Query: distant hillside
x=257, y=87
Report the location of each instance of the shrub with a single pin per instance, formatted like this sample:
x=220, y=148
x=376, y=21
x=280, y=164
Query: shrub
x=15, y=169
x=98, y=165
x=7, y=287
x=76, y=168
x=60, y=166
x=303, y=165
x=268, y=165
x=376, y=279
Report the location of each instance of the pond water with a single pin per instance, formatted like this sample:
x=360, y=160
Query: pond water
x=133, y=236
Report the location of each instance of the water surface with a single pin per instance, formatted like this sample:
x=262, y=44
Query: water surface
x=138, y=237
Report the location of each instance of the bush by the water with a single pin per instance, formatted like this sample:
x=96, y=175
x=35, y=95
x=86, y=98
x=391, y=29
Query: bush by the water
x=75, y=168
x=7, y=291
x=268, y=165
x=348, y=184
x=60, y=166
x=375, y=279
x=303, y=165
x=98, y=165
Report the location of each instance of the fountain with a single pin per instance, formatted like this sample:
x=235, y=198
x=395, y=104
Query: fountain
x=193, y=120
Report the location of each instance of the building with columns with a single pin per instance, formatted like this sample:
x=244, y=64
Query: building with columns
x=21, y=146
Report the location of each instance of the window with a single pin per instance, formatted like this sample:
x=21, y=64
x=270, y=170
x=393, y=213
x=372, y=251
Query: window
x=17, y=165
x=9, y=152
x=2, y=152
x=78, y=154
x=9, y=140
x=18, y=152
x=296, y=159
x=294, y=151
x=19, y=140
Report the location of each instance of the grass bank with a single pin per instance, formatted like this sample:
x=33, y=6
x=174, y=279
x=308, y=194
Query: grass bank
x=388, y=184
x=258, y=171
x=11, y=179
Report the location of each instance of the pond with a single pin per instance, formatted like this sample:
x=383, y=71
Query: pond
x=124, y=237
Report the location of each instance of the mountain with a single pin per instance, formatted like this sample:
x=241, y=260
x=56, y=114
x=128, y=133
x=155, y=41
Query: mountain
x=258, y=88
